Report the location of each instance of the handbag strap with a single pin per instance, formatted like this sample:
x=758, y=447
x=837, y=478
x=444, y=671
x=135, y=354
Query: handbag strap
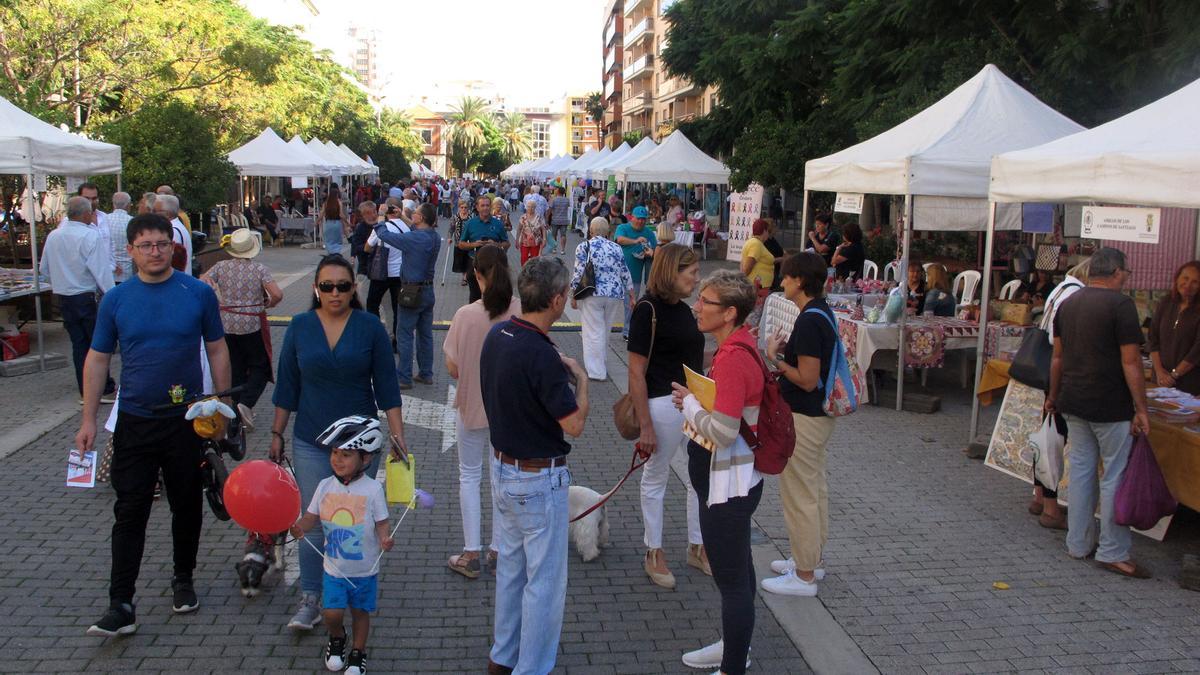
x=1048, y=311
x=834, y=362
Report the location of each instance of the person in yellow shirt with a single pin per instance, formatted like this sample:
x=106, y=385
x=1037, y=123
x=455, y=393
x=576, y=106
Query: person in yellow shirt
x=758, y=264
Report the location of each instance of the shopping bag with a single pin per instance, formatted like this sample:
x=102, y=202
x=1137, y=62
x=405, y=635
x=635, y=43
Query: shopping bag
x=400, y=479
x=1143, y=497
x=1048, y=443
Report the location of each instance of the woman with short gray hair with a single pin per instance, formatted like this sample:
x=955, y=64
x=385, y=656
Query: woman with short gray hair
x=599, y=303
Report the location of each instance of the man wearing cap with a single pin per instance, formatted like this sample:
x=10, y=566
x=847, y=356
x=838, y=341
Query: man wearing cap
x=637, y=243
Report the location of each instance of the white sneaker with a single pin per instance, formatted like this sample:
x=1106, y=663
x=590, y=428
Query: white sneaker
x=790, y=584
x=308, y=614
x=709, y=657
x=789, y=565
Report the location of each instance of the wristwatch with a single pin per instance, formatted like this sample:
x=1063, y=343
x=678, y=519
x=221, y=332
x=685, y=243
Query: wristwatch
x=779, y=358
x=1174, y=374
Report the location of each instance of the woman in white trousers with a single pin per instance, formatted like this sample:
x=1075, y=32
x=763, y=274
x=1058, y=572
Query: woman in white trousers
x=610, y=287
x=663, y=338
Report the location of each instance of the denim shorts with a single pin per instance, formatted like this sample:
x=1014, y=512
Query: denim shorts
x=337, y=593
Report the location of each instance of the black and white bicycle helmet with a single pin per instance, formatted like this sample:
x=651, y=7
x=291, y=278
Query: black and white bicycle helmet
x=355, y=432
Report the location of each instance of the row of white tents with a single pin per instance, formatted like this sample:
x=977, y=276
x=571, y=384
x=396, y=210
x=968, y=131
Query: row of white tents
x=269, y=155
x=675, y=160
x=964, y=162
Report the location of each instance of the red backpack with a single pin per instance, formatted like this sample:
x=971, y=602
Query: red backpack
x=776, y=437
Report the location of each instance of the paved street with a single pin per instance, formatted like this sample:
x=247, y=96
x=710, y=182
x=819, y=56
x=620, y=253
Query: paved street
x=918, y=535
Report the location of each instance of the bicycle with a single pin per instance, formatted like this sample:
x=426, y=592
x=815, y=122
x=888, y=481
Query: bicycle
x=213, y=472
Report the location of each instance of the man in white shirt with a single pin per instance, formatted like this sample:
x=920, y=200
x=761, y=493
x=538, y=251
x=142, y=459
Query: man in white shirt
x=391, y=285
x=167, y=206
x=78, y=267
x=115, y=223
x=539, y=201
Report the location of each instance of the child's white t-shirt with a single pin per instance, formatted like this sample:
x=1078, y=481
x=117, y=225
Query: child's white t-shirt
x=348, y=515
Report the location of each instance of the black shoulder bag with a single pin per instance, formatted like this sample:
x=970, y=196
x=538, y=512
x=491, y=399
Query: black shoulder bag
x=1031, y=365
x=587, y=280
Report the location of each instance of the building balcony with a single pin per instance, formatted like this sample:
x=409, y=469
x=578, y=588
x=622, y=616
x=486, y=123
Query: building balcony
x=611, y=86
x=611, y=61
x=632, y=5
x=612, y=116
x=612, y=30
x=639, y=67
x=637, y=102
x=675, y=88
x=641, y=29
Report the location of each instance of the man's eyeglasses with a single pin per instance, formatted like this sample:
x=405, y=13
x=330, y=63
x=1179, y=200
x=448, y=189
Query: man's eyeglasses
x=146, y=247
x=340, y=287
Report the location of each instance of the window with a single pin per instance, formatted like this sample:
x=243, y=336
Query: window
x=576, y=150
x=587, y=133
x=427, y=136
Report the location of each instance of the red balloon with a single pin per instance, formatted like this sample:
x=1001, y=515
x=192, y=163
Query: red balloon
x=262, y=497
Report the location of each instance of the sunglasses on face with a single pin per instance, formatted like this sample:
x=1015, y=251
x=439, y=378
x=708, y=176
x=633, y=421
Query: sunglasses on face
x=340, y=286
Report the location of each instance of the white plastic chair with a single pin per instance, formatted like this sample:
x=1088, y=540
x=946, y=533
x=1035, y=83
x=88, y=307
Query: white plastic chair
x=870, y=270
x=891, y=271
x=1009, y=291
x=969, y=280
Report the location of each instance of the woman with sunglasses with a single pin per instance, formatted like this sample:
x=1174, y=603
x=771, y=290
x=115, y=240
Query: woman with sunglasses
x=336, y=361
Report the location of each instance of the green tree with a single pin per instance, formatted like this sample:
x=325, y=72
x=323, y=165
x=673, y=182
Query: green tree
x=518, y=141
x=595, y=108
x=174, y=144
x=467, y=123
x=633, y=137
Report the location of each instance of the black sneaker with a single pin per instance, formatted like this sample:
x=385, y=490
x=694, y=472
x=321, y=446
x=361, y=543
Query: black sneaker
x=185, y=599
x=118, y=620
x=335, y=654
x=357, y=663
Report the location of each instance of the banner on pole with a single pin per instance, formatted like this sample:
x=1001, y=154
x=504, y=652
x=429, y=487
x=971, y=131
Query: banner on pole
x=1121, y=223
x=744, y=209
x=73, y=183
x=848, y=202
x=39, y=182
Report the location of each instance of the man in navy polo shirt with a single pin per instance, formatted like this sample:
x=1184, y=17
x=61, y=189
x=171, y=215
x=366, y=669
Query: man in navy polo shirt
x=526, y=387
x=478, y=232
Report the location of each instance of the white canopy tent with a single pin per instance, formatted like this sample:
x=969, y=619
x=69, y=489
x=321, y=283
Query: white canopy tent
x=363, y=167
x=338, y=166
x=579, y=168
x=321, y=166
x=944, y=151
x=527, y=170
x=585, y=158
x=374, y=166
x=269, y=155
x=351, y=162
x=675, y=160
x=594, y=170
x=603, y=170
x=30, y=146
x=1148, y=157
x=551, y=168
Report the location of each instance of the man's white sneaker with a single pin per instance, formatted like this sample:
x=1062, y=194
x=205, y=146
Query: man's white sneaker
x=790, y=584
x=708, y=657
x=789, y=565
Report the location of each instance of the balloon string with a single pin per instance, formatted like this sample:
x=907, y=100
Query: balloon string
x=407, y=507
x=336, y=569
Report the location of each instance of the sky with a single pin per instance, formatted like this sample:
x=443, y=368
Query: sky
x=533, y=50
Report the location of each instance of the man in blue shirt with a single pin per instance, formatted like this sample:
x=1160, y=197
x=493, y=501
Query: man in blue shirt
x=637, y=243
x=160, y=318
x=478, y=232
x=525, y=384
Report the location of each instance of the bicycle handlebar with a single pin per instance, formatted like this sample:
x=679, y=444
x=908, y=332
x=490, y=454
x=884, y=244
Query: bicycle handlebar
x=200, y=397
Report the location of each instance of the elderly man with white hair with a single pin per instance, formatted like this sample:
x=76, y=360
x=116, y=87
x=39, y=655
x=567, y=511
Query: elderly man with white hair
x=77, y=265
x=116, y=223
x=600, y=302
x=167, y=206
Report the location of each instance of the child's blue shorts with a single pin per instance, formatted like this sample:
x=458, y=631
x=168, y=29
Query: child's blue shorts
x=337, y=593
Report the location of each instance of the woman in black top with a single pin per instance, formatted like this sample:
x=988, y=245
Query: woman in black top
x=849, y=256
x=804, y=360
x=916, y=285
x=663, y=338
x=1175, y=333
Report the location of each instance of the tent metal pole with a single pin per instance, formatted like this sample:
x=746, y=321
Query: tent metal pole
x=37, y=280
x=983, y=316
x=804, y=221
x=118, y=182
x=901, y=344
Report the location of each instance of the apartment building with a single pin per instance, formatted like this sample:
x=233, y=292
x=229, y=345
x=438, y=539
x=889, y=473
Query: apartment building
x=583, y=132
x=364, y=56
x=653, y=102
x=614, y=62
x=434, y=131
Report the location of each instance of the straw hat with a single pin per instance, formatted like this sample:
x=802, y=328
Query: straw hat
x=242, y=244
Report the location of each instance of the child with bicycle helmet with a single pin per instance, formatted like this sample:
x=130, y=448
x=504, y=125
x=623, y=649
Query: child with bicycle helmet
x=353, y=513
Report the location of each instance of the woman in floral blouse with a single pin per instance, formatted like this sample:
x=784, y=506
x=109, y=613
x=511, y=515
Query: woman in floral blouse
x=614, y=288
x=531, y=232
x=462, y=260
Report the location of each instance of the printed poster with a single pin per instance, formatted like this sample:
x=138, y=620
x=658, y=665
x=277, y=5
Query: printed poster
x=81, y=469
x=1121, y=223
x=848, y=202
x=744, y=209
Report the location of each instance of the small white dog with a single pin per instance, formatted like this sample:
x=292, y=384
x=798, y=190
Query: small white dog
x=589, y=533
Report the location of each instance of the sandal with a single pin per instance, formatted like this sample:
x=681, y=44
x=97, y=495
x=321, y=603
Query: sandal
x=650, y=565
x=465, y=564
x=492, y=558
x=1135, y=571
x=698, y=558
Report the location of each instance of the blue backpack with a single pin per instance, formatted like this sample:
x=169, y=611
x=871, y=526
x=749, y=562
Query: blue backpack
x=841, y=392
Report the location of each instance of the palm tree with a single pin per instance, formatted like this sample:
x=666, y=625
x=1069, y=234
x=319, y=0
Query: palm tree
x=466, y=125
x=518, y=141
x=595, y=107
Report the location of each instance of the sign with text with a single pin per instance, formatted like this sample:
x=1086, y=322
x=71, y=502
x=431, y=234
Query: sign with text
x=1121, y=223
x=299, y=182
x=848, y=202
x=744, y=209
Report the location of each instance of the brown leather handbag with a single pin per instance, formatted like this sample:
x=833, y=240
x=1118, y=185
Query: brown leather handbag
x=624, y=412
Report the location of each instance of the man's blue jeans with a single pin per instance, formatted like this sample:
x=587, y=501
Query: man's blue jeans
x=312, y=466
x=79, y=318
x=417, y=320
x=531, y=574
x=1093, y=443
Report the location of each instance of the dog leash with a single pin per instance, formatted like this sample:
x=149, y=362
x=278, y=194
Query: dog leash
x=635, y=463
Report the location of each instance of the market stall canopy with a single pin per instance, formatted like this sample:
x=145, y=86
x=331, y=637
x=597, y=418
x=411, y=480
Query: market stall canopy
x=527, y=171
x=593, y=169
x=268, y=155
x=29, y=145
x=609, y=168
x=551, y=168
x=571, y=169
x=337, y=165
x=945, y=150
x=322, y=168
x=580, y=168
x=351, y=163
x=363, y=167
x=374, y=166
x=1149, y=157
x=675, y=160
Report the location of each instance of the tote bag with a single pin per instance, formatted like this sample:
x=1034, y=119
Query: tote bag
x=841, y=391
x=1143, y=497
x=1031, y=365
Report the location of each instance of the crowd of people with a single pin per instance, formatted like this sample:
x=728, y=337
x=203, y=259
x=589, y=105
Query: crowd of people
x=519, y=399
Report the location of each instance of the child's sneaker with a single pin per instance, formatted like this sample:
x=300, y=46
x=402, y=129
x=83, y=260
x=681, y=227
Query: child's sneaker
x=357, y=663
x=335, y=654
